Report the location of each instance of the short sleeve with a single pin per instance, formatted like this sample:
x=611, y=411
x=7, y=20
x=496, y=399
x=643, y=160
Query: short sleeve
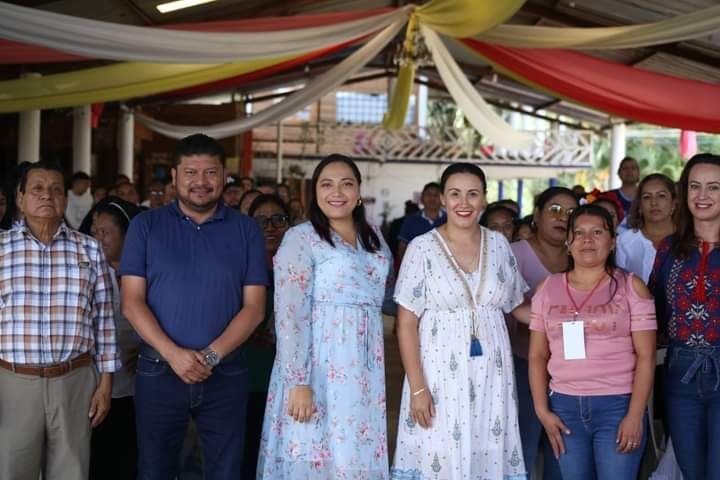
x=410, y=290
x=406, y=234
x=642, y=310
x=537, y=309
x=134, y=255
x=516, y=286
x=294, y=270
x=256, y=273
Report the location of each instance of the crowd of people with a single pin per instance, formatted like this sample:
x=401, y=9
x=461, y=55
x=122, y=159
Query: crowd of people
x=229, y=303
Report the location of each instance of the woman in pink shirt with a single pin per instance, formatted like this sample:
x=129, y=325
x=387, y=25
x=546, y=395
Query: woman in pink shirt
x=593, y=339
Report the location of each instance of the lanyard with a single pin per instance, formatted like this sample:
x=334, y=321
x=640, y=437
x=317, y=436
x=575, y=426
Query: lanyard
x=589, y=296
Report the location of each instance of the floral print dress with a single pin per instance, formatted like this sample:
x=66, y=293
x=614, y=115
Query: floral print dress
x=474, y=434
x=330, y=337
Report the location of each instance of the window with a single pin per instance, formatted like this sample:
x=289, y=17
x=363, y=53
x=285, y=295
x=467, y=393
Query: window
x=356, y=107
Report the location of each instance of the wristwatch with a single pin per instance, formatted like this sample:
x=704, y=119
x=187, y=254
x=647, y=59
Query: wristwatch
x=212, y=359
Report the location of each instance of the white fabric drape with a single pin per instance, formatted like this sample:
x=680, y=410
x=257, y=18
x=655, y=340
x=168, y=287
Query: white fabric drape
x=480, y=114
x=114, y=41
x=310, y=93
x=676, y=29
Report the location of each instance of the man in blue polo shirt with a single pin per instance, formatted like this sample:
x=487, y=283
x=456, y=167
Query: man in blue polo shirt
x=429, y=217
x=193, y=286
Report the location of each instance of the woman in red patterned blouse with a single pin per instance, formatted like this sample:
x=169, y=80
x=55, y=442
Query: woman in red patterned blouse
x=686, y=285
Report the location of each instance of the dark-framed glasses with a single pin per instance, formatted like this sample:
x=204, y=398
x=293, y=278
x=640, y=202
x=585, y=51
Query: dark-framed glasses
x=277, y=220
x=558, y=211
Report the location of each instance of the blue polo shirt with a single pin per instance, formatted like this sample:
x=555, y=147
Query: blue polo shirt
x=418, y=224
x=195, y=274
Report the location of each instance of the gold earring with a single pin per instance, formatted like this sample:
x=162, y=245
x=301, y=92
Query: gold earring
x=359, y=202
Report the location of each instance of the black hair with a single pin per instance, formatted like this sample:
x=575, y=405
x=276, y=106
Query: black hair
x=431, y=185
x=610, y=264
x=42, y=165
x=198, y=144
x=462, y=167
x=549, y=193
x=684, y=240
x=230, y=185
x=5, y=220
x=627, y=159
x=80, y=176
x=368, y=237
x=268, y=198
x=519, y=223
x=495, y=208
x=122, y=212
x=635, y=218
x=244, y=195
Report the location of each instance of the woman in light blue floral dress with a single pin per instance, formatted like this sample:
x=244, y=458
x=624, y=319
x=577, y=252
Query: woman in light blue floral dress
x=325, y=415
x=458, y=414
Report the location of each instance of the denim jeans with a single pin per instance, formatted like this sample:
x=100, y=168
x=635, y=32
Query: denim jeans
x=590, y=449
x=532, y=434
x=692, y=397
x=164, y=405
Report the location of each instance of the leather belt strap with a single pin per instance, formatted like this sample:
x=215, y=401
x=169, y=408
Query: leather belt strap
x=48, y=371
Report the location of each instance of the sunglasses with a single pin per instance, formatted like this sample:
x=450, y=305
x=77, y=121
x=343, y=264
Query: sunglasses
x=558, y=211
x=277, y=220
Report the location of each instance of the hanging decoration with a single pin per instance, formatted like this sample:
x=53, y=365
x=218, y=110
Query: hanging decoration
x=315, y=89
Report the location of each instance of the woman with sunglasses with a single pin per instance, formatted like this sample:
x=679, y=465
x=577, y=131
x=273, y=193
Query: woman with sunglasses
x=593, y=341
x=686, y=283
x=325, y=414
x=273, y=217
x=650, y=221
x=540, y=256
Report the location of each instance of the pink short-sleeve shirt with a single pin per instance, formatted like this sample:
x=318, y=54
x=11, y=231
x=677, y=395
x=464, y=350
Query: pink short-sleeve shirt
x=609, y=366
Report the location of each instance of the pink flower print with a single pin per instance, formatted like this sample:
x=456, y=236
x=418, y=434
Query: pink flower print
x=335, y=375
x=381, y=401
x=320, y=456
x=299, y=277
x=363, y=433
x=364, y=386
x=380, y=448
x=293, y=449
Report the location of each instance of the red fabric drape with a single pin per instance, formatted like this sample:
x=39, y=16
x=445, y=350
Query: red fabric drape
x=614, y=88
x=22, y=53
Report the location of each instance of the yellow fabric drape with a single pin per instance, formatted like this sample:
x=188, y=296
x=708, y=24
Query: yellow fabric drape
x=465, y=18
x=395, y=117
x=116, y=82
x=676, y=29
x=454, y=18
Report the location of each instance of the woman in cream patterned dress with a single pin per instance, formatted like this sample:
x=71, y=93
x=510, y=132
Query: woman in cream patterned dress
x=458, y=417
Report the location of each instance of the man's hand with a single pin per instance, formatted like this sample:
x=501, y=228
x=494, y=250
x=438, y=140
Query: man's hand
x=100, y=401
x=189, y=365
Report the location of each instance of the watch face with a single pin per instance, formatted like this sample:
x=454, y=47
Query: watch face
x=212, y=358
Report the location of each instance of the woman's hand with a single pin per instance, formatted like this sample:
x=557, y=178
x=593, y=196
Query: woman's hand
x=422, y=409
x=555, y=428
x=630, y=433
x=300, y=403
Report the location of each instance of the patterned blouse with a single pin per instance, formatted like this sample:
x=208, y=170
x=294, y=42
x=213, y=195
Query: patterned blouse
x=687, y=295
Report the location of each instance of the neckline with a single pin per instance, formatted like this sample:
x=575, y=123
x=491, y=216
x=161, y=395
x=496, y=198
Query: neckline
x=449, y=251
x=566, y=280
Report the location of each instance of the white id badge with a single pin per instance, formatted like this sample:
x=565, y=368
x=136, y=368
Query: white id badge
x=574, y=340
